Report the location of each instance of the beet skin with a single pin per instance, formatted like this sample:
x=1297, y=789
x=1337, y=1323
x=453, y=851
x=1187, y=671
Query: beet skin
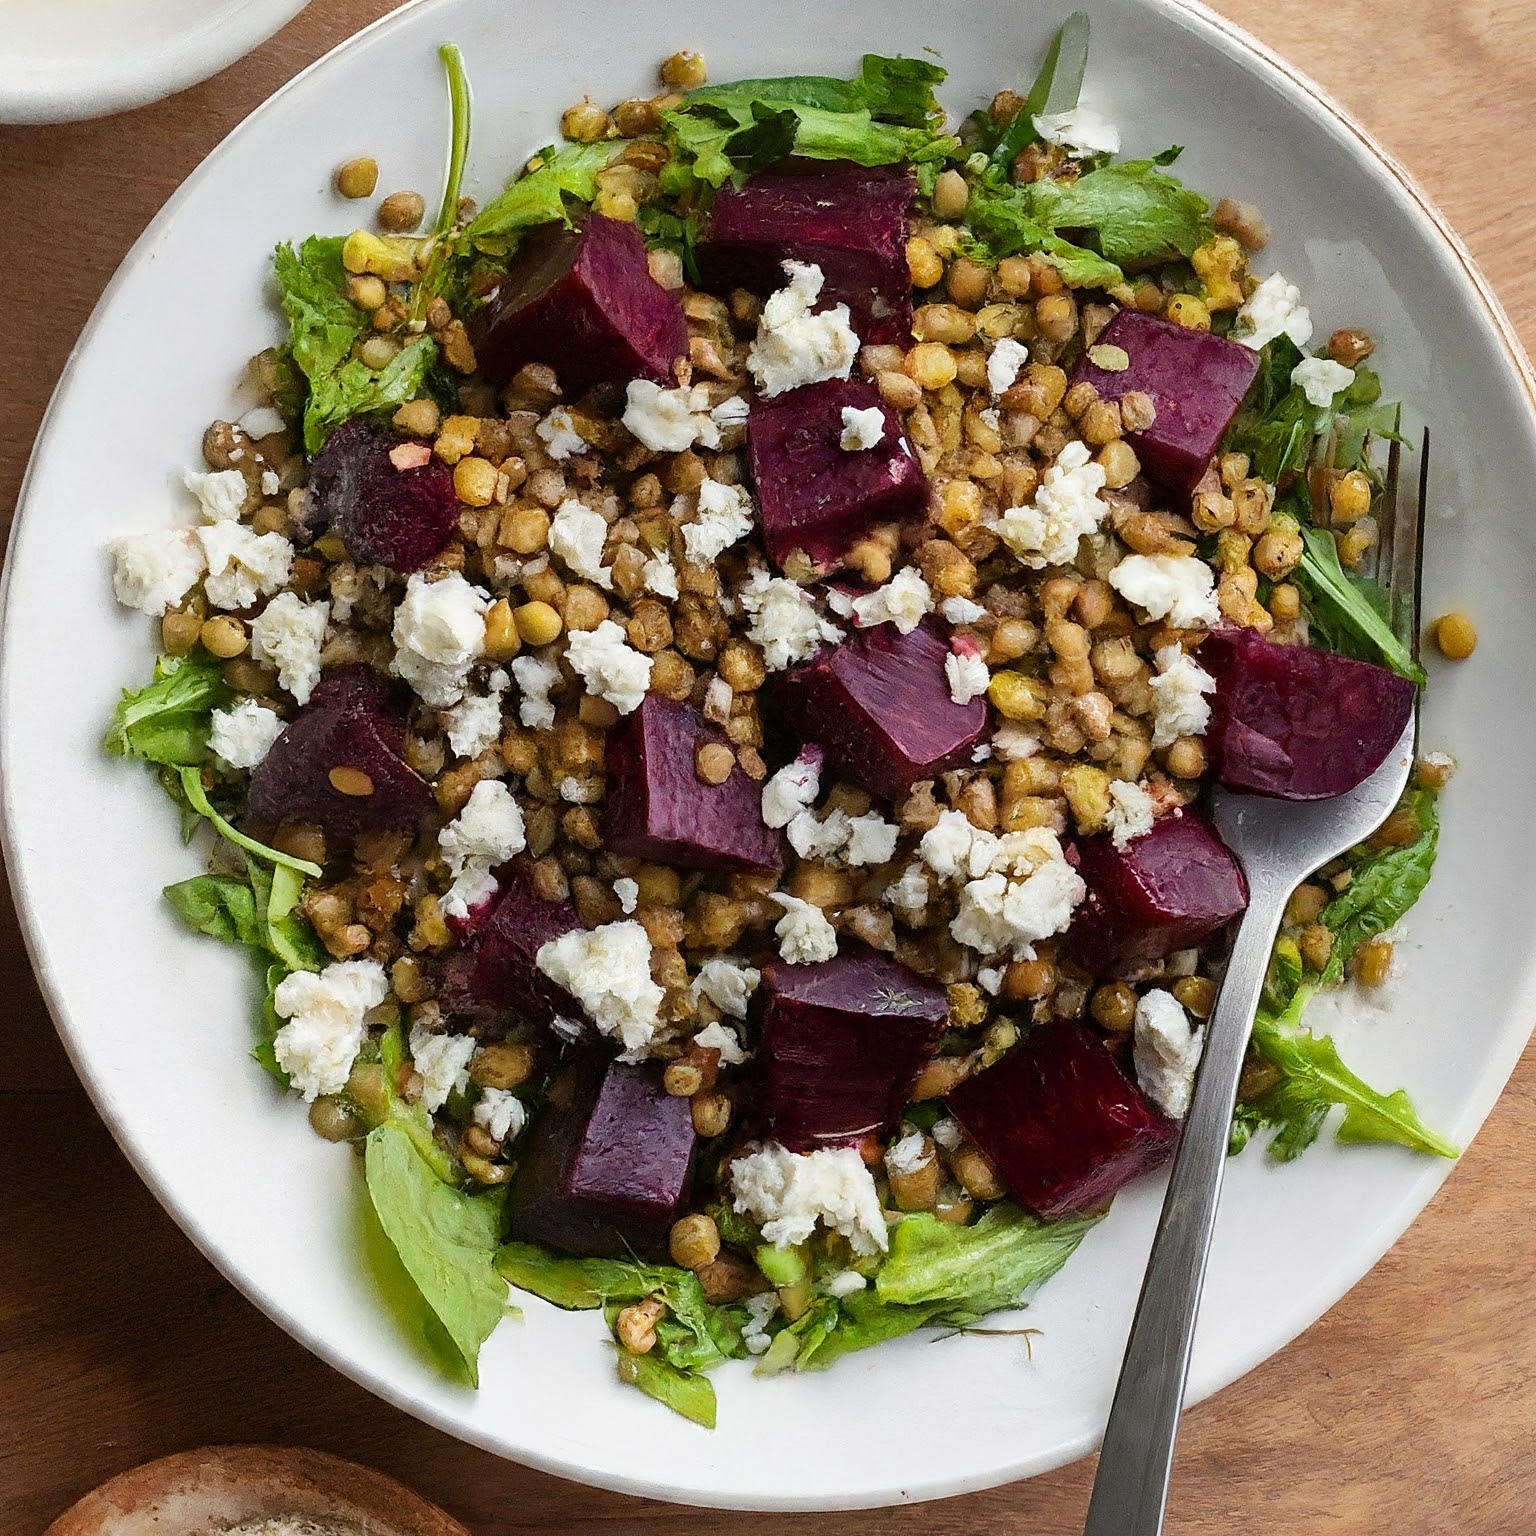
x=879, y=704
x=585, y=303
x=842, y=1044
x=1297, y=723
x=658, y=807
x=1195, y=380
x=1060, y=1122
x=816, y=495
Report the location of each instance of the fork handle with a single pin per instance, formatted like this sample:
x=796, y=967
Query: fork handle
x=1130, y=1489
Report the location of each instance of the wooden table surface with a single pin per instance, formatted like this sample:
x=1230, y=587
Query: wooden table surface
x=1410, y=1408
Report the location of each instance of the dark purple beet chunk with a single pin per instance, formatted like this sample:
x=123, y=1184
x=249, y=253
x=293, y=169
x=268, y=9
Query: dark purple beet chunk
x=842, y=1044
x=1297, y=723
x=1062, y=1124
x=659, y=809
x=879, y=704
x=1196, y=380
x=849, y=220
x=585, y=303
x=352, y=720
x=401, y=518
x=1170, y=889
x=816, y=495
x=607, y=1166
x=507, y=944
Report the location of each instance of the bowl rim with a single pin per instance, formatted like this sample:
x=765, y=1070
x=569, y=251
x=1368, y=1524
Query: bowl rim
x=1191, y=15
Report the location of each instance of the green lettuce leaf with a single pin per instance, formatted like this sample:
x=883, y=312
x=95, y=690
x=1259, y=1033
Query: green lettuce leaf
x=1001, y=217
x=355, y=389
x=1347, y=603
x=168, y=720
x=1135, y=212
x=445, y=1239
x=540, y=196
x=221, y=907
x=684, y=1392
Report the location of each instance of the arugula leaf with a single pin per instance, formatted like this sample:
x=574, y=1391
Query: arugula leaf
x=1056, y=89
x=1001, y=216
x=539, y=197
x=323, y=323
x=197, y=798
x=1134, y=211
x=168, y=720
x=220, y=906
x=891, y=90
x=1343, y=601
x=264, y=1052
x=355, y=389
x=384, y=1106
x=445, y=1238
x=684, y=1392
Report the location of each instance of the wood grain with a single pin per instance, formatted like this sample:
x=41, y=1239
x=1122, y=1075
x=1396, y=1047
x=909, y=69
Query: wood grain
x=1408, y=1409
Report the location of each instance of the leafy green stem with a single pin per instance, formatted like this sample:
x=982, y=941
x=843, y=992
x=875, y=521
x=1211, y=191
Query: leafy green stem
x=458, y=150
x=197, y=798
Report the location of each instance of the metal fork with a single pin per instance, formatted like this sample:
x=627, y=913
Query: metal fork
x=1278, y=844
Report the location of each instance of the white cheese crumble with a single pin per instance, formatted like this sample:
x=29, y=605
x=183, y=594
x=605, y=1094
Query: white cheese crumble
x=289, y=634
x=1080, y=131
x=262, y=421
x=785, y=624
x=716, y=1037
x=474, y=723
x=760, y=1311
x=628, y=892
x=1066, y=507
x=909, y=891
x=724, y=518
x=788, y=1193
x=948, y=1133
x=500, y=1113
x=1273, y=309
x=1320, y=379
x=576, y=536
x=818, y=838
x=326, y=1022
x=559, y=435
x=861, y=429
x=1012, y=742
x=487, y=832
x=152, y=571
x=961, y=610
x=1179, y=706
x=1166, y=1052
x=998, y=915
x=1179, y=588
x=243, y=565
x=792, y=789
x=536, y=676
x=846, y=1282
x=794, y=346
x=609, y=666
x=608, y=971
x=670, y=420
x=659, y=575
x=871, y=840
x=243, y=735
x=442, y=1062
x=271, y=482
x=903, y=601
x=968, y=677
x=909, y=1154
x=1131, y=812
x=804, y=934
x=220, y=493
x=727, y=983
x=439, y=634
x=719, y=696
x=1004, y=361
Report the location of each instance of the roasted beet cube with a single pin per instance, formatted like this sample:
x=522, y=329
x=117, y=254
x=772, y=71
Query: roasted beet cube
x=1297, y=723
x=398, y=511
x=352, y=733
x=506, y=945
x=880, y=707
x=606, y=1168
x=1169, y=889
x=816, y=495
x=585, y=303
x=1195, y=380
x=842, y=1044
x=658, y=807
x=1061, y=1123
x=849, y=220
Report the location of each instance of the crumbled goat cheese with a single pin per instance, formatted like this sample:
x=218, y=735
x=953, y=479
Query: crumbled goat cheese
x=1131, y=812
x=658, y=575
x=442, y=1062
x=576, y=536
x=1066, y=507
x=840, y=602
x=846, y=1282
x=1179, y=706
x=608, y=971
x=1273, y=309
x=326, y=1022
x=609, y=666
x=1080, y=131
x=732, y=413
x=1320, y=379
x=718, y=699
x=724, y=518
x=804, y=934
x=1013, y=742
x=990, y=979
x=439, y=634
x=954, y=849
x=535, y=677
x=271, y=482
x=818, y=838
x=981, y=751
x=628, y=892
x=784, y=624
x=487, y=832
x=262, y=421
x=909, y=891
x=1166, y=1052
x=948, y=1133
x=220, y=493
x=787, y=1193
x=1179, y=588
x=559, y=434
x=243, y=565
x=1003, y=363
x=500, y=1113
x=289, y=634
x=153, y=571
x=903, y=601
x=670, y=420
x=716, y=1037
x=760, y=1310
x=909, y=1154
x=871, y=840
x=576, y=791
x=474, y=723
x=794, y=346
x=727, y=983
x=243, y=736
x=998, y=915
x=961, y=610
x=861, y=429
x=968, y=677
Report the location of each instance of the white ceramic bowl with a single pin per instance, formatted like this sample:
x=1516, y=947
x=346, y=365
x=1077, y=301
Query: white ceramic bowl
x=157, y=1021
x=61, y=60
